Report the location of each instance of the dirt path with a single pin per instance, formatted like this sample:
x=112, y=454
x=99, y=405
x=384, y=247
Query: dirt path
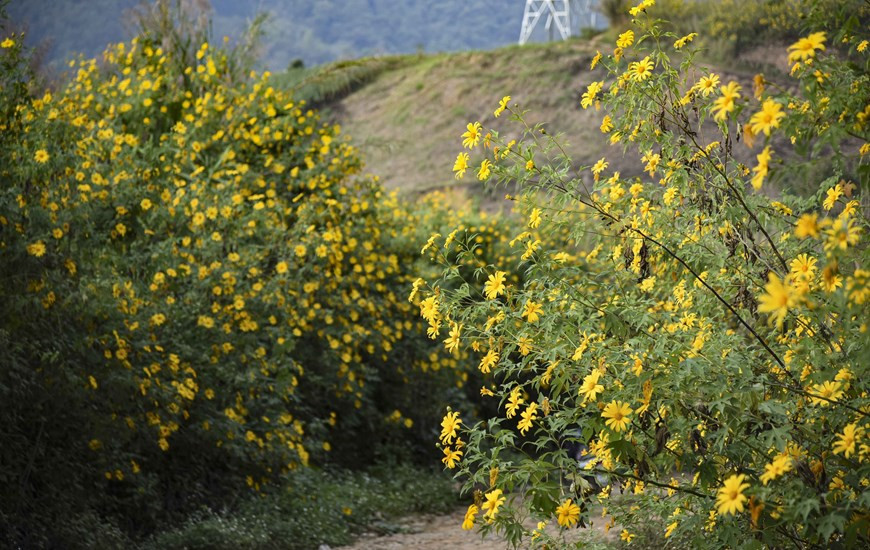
x=445, y=532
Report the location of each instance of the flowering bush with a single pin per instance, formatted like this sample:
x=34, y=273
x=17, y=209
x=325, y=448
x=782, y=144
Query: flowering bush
x=200, y=293
x=705, y=337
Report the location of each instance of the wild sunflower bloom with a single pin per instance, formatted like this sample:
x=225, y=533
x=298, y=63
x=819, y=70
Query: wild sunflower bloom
x=488, y=361
x=842, y=234
x=606, y=124
x=451, y=457
x=494, y=285
x=485, y=170
x=847, y=440
x=625, y=39
x=708, y=84
x=41, y=156
x=641, y=70
x=468, y=521
x=494, y=500
x=514, y=402
x=616, y=413
x=502, y=106
x=724, y=104
x=831, y=196
x=6, y=44
x=822, y=394
x=461, y=165
x=452, y=342
x=730, y=498
x=804, y=266
x=781, y=465
x=767, y=118
x=535, y=218
x=527, y=417
x=761, y=168
x=681, y=42
x=449, y=424
x=568, y=513
x=807, y=226
x=36, y=249
x=590, y=94
x=590, y=387
x=778, y=298
x=806, y=47
x=471, y=137
x=532, y=311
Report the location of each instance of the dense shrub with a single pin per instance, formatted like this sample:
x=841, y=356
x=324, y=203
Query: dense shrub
x=707, y=344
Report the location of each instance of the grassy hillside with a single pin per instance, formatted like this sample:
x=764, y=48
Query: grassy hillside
x=407, y=112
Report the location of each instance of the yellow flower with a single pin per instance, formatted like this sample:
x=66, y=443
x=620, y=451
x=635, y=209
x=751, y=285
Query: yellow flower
x=822, y=394
x=707, y=84
x=452, y=342
x=494, y=285
x=8, y=43
x=616, y=413
x=502, y=105
x=590, y=387
x=807, y=226
x=36, y=249
x=529, y=415
x=449, y=425
x=599, y=167
x=780, y=465
x=606, y=124
x=595, y=60
x=670, y=529
x=805, y=48
x=494, y=500
x=832, y=195
x=761, y=169
x=451, y=457
x=850, y=436
x=588, y=97
x=641, y=70
x=461, y=165
x=730, y=498
x=681, y=43
x=532, y=311
x=468, y=522
x=524, y=345
x=843, y=233
x=535, y=218
x=488, y=361
x=625, y=39
x=804, y=267
x=145, y=204
x=862, y=46
x=485, y=170
x=767, y=118
x=514, y=402
x=777, y=299
x=626, y=536
x=641, y=7
x=568, y=513
x=281, y=267
x=725, y=103
x=471, y=137
x=41, y=156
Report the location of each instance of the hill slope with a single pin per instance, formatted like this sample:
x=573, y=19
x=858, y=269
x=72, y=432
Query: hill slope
x=408, y=113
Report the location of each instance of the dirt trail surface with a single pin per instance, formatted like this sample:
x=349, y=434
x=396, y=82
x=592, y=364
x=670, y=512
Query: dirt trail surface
x=444, y=532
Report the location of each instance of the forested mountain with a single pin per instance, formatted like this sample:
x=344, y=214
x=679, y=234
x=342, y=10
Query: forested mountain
x=314, y=31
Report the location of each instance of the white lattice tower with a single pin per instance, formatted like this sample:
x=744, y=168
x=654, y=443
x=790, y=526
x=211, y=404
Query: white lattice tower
x=557, y=14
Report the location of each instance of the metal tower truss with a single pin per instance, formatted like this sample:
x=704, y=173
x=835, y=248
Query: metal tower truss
x=561, y=15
